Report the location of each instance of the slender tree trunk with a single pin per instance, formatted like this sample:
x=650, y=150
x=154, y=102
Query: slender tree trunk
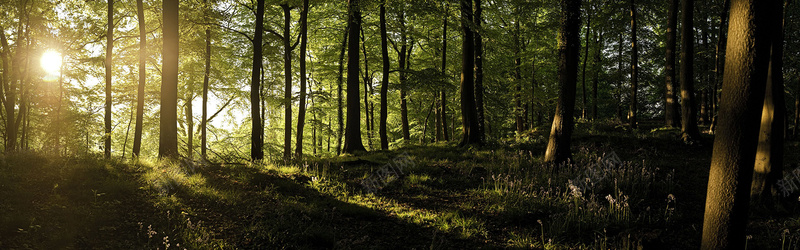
x=9, y=93
x=518, y=118
x=384, y=80
x=367, y=83
x=597, y=68
x=621, y=78
x=689, y=129
x=168, y=144
x=352, y=140
x=468, y=110
x=443, y=94
x=109, y=68
x=127, y=132
x=257, y=129
x=287, y=76
x=736, y=140
x=585, y=62
x=190, y=124
x=769, y=156
x=558, y=147
x=206, y=78
x=403, y=58
x=479, y=70
x=339, y=83
x=534, y=111
x=137, y=132
x=301, y=113
x=632, y=113
x=671, y=113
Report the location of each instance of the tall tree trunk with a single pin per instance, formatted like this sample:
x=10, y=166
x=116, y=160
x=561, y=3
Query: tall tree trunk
x=769, y=157
x=352, y=136
x=689, y=130
x=534, y=111
x=206, y=78
x=718, y=63
x=109, y=68
x=384, y=80
x=518, y=118
x=168, y=136
x=137, y=132
x=634, y=69
x=671, y=113
x=339, y=83
x=403, y=59
x=7, y=92
x=257, y=130
x=301, y=113
x=367, y=84
x=190, y=124
x=621, y=78
x=597, y=69
x=468, y=111
x=287, y=76
x=585, y=62
x=736, y=140
x=558, y=147
x=479, y=70
x=443, y=94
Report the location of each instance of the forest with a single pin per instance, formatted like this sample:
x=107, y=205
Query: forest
x=399, y=124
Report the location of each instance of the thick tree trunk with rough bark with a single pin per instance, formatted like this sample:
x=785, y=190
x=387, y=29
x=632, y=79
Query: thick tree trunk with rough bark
x=735, y=144
x=558, y=147
x=479, y=70
x=469, y=114
x=287, y=77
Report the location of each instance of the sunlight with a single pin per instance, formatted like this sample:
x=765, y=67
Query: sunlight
x=51, y=62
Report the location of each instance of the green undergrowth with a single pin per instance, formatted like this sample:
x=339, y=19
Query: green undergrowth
x=624, y=189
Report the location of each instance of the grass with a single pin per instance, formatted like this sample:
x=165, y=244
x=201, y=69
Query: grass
x=650, y=196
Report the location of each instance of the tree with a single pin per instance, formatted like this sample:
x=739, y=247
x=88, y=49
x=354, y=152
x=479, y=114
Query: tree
x=137, y=133
x=558, y=146
x=352, y=135
x=468, y=112
x=403, y=59
x=634, y=69
x=287, y=76
x=168, y=136
x=479, y=71
x=671, y=103
x=257, y=130
x=384, y=80
x=736, y=141
x=689, y=130
x=585, y=62
x=339, y=81
x=301, y=113
x=109, y=65
x=769, y=157
x=206, y=77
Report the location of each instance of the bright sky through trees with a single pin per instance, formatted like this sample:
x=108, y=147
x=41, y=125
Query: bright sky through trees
x=51, y=62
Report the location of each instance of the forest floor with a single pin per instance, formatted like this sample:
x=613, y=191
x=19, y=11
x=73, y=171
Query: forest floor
x=626, y=189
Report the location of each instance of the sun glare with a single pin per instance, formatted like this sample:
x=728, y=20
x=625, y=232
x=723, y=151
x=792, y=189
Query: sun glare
x=51, y=62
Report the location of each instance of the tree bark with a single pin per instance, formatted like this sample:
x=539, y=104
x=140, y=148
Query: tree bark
x=137, y=132
x=558, y=147
x=519, y=120
x=671, y=113
x=585, y=62
x=632, y=113
x=301, y=113
x=339, y=83
x=769, y=156
x=718, y=63
x=384, y=80
x=736, y=140
x=468, y=111
x=189, y=124
x=257, y=129
x=597, y=69
x=689, y=130
x=109, y=68
x=287, y=76
x=479, y=71
x=403, y=59
x=168, y=144
x=206, y=78
x=352, y=140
